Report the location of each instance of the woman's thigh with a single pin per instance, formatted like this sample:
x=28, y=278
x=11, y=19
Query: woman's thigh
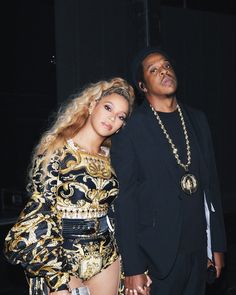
x=107, y=281
x=63, y=292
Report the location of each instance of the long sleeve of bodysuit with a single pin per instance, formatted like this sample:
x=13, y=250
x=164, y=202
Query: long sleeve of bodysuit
x=35, y=240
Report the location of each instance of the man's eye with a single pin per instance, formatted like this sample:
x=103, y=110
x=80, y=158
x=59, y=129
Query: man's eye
x=168, y=66
x=107, y=107
x=154, y=70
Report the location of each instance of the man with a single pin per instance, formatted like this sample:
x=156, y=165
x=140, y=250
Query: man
x=168, y=212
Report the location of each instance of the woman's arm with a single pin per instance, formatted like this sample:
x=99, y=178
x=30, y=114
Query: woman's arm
x=35, y=240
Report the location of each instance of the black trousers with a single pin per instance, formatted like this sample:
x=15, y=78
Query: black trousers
x=187, y=277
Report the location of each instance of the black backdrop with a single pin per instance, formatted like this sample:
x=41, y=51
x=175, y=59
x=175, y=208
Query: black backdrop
x=49, y=49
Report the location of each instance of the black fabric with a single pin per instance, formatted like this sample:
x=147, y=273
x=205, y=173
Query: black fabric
x=149, y=211
x=187, y=277
x=193, y=235
x=74, y=228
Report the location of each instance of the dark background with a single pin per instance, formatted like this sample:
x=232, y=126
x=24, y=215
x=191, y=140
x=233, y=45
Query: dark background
x=50, y=49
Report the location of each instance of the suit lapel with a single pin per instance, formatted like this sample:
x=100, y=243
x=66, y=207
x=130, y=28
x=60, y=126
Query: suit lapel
x=197, y=137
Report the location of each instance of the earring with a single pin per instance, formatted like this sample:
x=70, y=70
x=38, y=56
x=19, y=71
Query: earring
x=142, y=87
x=117, y=130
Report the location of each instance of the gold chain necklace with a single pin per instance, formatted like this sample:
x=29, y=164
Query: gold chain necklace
x=188, y=181
x=174, y=148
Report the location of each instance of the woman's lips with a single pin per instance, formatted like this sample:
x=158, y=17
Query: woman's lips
x=107, y=126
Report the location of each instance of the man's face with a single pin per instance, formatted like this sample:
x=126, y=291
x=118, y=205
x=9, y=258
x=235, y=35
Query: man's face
x=159, y=76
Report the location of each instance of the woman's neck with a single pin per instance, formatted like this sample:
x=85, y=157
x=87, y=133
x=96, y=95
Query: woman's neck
x=87, y=139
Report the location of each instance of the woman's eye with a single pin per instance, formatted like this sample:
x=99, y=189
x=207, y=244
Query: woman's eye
x=122, y=118
x=107, y=107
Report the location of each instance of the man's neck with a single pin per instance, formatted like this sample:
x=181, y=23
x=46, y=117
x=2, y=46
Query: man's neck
x=163, y=104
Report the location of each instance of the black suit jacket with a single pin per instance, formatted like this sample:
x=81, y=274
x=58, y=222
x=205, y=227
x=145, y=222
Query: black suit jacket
x=148, y=209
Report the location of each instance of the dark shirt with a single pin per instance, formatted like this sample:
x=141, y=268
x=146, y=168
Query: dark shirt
x=194, y=223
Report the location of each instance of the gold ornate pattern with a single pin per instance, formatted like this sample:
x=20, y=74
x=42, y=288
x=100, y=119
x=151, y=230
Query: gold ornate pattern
x=87, y=185
x=76, y=185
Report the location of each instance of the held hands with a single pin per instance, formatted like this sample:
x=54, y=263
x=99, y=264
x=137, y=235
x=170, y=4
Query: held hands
x=218, y=262
x=138, y=284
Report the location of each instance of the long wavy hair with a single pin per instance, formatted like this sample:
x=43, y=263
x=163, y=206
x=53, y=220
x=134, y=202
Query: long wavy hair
x=72, y=116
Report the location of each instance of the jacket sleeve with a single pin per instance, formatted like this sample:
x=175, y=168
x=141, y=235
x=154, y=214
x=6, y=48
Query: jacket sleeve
x=35, y=240
x=124, y=162
x=218, y=236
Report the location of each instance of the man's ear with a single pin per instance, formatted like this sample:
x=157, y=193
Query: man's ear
x=142, y=86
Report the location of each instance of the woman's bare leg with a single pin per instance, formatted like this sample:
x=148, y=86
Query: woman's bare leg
x=75, y=282
x=63, y=292
x=106, y=282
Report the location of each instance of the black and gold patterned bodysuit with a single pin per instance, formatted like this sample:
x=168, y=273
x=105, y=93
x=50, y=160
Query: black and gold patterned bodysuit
x=78, y=186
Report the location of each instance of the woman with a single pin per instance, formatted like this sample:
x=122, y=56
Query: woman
x=63, y=238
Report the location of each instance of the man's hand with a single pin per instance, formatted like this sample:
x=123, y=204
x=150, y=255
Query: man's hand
x=138, y=284
x=218, y=262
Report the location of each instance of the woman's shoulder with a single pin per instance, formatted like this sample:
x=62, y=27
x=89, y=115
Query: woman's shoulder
x=73, y=147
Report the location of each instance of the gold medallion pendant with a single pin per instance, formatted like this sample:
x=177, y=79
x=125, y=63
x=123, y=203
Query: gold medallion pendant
x=189, y=184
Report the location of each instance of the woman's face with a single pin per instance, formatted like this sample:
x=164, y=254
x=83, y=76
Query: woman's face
x=109, y=114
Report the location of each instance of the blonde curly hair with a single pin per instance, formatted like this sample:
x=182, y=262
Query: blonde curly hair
x=71, y=118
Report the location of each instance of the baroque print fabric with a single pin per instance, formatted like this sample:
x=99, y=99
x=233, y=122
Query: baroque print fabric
x=77, y=185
